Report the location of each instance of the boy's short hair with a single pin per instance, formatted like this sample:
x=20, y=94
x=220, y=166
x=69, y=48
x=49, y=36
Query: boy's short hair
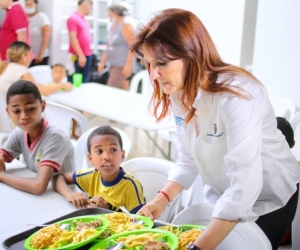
x=82, y=1
x=286, y=130
x=104, y=130
x=21, y=87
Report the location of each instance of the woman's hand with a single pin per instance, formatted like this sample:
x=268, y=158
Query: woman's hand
x=101, y=67
x=127, y=70
x=98, y=201
x=78, y=199
x=152, y=210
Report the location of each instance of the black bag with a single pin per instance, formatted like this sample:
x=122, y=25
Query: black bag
x=95, y=75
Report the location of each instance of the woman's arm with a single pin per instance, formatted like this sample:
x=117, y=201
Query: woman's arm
x=128, y=33
x=46, y=33
x=154, y=208
x=21, y=36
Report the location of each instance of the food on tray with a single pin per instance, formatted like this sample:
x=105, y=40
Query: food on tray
x=132, y=241
x=89, y=224
x=170, y=228
x=186, y=237
x=156, y=245
x=121, y=222
x=46, y=237
x=54, y=237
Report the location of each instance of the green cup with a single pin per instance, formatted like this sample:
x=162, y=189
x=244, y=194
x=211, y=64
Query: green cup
x=77, y=80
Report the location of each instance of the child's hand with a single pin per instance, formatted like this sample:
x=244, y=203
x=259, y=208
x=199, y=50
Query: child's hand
x=78, y=199
x=67, y=86
x=98, y=201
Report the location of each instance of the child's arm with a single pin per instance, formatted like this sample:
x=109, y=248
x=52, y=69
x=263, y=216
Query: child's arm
x=98, y=201
x=60, y=184
x=35, y=185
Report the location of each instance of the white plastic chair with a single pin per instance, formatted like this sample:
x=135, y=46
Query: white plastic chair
x=61, y=116
x=295, y=123
x=42, y=74
x=81, y=151
x=146, y=87
x=283, y=107
x=153, y=175
x=4, y=121
x=246, y=236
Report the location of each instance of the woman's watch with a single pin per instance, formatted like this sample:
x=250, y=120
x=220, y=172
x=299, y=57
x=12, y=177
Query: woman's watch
x=192, y=246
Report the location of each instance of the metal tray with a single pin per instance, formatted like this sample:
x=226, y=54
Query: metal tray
x=16, y=242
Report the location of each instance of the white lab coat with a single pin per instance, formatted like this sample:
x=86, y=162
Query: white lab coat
x=239, y=152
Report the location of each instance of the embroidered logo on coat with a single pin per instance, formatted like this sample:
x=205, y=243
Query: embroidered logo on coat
x=215, y=128
x=179, y=121
x=38, y=159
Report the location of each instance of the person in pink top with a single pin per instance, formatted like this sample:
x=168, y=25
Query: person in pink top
x=80, y=39
x=14, y=26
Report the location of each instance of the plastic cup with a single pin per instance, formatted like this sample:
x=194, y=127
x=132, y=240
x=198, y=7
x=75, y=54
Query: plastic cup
x=77, y=80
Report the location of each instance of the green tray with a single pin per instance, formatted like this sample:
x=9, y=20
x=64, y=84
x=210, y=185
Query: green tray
x=190, y=226
x=86, y=218
x=168, y=237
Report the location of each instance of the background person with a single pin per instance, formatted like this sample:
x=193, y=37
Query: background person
x=14, y=26
x=16, y=69
x=226, y=129
x=117, y=54
x=80, y=39
x=39, y=33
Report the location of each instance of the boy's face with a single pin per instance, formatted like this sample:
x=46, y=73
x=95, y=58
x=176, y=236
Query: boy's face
x=58, y=73
x=25, y=111
x=106, y=156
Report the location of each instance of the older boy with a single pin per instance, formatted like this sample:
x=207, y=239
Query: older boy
x=46, y=149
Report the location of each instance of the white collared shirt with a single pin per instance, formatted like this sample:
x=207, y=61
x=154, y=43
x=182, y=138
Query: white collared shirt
x=239, y=152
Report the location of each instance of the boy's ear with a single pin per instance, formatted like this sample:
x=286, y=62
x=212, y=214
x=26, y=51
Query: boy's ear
x=293, y=144
x=43, y=104
x=123, y=155
x=90, y=159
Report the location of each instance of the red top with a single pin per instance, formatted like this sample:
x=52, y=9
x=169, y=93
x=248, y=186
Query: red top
x=14, y=21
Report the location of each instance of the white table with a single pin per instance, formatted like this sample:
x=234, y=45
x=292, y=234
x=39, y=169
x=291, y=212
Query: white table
x=19, y=208
x=114, y=104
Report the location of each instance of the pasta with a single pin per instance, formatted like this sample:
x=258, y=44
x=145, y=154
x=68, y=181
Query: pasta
x=120, y=222
x=53, y=237
x=186, y=237
x=138, y=240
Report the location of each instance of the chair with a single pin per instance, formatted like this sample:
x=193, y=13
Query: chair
x=153, y=174
x=283, y=107
x=246, y=236
x=42, y=74
x=61, y=116
x=143, y=78
x=4, y=121
x=295, y=123
x=81, y=152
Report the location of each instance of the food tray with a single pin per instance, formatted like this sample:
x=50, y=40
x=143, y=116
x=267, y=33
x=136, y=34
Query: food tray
x=75, y=245
x=167, y=236
x=16, y=242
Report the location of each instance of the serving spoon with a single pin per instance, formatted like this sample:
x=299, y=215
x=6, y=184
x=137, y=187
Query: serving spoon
x=134, y=219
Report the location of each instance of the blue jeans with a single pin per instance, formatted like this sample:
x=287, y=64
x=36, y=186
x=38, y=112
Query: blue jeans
x=86, y=70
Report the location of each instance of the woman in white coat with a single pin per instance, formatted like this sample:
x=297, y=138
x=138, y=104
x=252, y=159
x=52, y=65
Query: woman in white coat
x=226, y=128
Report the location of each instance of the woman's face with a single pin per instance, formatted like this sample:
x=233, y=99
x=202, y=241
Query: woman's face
x=30, y=4
x=169, y=74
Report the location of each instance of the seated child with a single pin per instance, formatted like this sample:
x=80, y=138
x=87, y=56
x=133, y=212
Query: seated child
x=59, y=76
x=46, y=149
x=107, y=185
x=286, y=129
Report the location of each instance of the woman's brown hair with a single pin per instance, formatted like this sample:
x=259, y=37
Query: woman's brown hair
x=14, y=54
x=175, y=34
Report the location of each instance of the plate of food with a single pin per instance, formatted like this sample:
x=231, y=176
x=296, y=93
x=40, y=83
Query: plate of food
x=145, y=239
x=82, y=230
x=188, y=234
x=119, y=222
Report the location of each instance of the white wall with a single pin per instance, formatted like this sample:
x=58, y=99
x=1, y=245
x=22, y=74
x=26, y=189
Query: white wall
x=276, y=60
x=223, y=19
